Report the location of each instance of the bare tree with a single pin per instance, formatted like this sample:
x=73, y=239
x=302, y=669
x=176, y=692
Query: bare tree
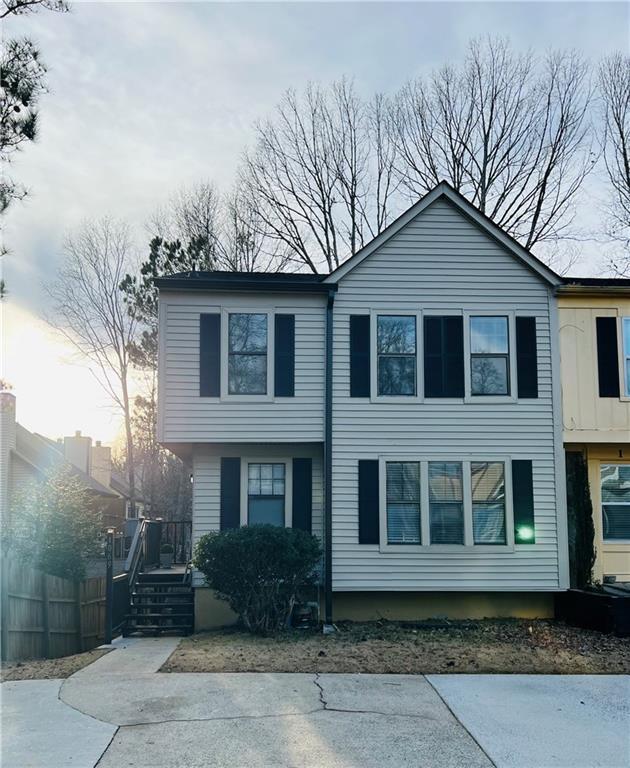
x=313, y=172
x=614, y=84
x=21, y=7
x=509, y=132
x=192, y=213
x=91, y=313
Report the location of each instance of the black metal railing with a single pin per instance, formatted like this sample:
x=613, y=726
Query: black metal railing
x=178, y=533
x=121, y=599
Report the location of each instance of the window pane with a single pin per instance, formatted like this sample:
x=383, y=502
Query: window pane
x=247, y=374
x=248, y=333
x=269, y=511
x=447, y=523
x=489, y=335
x=488, y=523
x=403, y=481
x=278, y=487
x=445, y=481
x=396, y=334
x=626, y=336
x=278, y=471
x=616, y=483
x=397, y=375
x=488, y=482
x=403, y=523
x=489, y=376
x=616, y=519
x=253, y=471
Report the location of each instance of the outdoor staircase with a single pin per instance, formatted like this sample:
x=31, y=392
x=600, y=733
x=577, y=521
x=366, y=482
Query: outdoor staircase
x=160, y=603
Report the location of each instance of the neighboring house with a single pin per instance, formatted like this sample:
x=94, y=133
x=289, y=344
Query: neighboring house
x=26, y=457
x=595, y=351
x=405, y=408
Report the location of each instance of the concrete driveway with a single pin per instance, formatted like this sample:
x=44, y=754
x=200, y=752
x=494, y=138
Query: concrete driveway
x=118, y=712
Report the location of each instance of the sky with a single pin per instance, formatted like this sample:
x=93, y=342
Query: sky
x=148, y=97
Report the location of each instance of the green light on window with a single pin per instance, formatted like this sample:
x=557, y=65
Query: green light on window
x=525, y=533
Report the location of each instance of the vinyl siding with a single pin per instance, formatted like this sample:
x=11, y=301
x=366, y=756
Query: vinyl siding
x=441, y=261
x=207, y=483
x=185, y=417
x=588, y=417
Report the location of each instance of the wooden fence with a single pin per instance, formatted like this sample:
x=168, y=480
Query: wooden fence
x=45, y=616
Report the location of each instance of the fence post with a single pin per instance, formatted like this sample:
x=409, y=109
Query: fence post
x=109, y=586
x=79, y=618
x=4, y=608
x=46, y=615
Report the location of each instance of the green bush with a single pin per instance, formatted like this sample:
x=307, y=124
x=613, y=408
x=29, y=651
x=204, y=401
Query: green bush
x=258, y=571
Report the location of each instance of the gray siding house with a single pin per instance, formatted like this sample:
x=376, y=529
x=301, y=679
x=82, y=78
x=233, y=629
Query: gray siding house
x=405, y=408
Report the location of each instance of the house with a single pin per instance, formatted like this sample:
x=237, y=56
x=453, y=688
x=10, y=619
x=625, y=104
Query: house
x=406, y=408
x=26, y=457
x=595, y=351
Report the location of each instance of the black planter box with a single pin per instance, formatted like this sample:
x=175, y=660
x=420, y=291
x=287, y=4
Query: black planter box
x=594, y=609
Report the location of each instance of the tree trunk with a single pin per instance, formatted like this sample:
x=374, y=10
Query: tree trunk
x=131, y=474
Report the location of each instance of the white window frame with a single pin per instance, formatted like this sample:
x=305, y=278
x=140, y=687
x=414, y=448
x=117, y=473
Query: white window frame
x=609, y=542
x=225, y=353
x=425, y=527
x=288, y=485
x=625, y=393
x=512, y=396
x=397, y=312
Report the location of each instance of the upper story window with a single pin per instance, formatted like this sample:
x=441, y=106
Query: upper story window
x=488, y=501
x=247, y=353
x=265, y=494
x=616, y=501
x=489, y=356
x=396, y=350
x=403, y=502
x=446, y=502
x=626, y=354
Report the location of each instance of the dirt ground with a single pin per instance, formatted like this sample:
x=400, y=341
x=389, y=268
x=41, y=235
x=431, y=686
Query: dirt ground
x=488, y=646
x=45, y=669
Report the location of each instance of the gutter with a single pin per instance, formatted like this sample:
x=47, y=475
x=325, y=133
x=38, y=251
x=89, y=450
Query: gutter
x=328, y=415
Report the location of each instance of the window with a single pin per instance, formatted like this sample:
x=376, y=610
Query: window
x=265, y=494
x=446, y=502
x=396, y=350
x=626, y=354
x=403, y=502
x=488, y=501
x=247, y=348
x=489, y=356
x=616, y=501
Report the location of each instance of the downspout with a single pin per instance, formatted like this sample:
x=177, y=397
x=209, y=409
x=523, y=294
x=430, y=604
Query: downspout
x=328, y=415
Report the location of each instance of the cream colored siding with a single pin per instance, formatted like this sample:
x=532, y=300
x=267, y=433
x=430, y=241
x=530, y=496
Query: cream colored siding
x=588, y=417
x=207, y=482
x=185, y=417
x=441, y=261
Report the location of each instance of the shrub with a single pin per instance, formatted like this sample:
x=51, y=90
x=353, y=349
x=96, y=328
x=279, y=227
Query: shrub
x=581, y=529
x=258, y=571
x=166, y=549
x=56, y=525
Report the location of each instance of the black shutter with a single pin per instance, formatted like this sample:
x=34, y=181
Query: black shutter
x=284, y=356
x=210, y=355
x=607, y=356
x=444, y=356
x=523, y=501
x=526, y=357
x=359, y=356
x=369, y=526
x=230, y=493
x=302, y=494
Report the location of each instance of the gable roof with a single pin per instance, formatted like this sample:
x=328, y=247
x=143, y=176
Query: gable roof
x=444, y=190
x=42, y=454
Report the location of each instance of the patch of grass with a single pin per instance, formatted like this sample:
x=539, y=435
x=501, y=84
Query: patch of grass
x=49, y=669
x=488, y=646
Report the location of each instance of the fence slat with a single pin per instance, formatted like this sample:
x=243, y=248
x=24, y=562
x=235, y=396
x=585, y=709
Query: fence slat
x=47, y=616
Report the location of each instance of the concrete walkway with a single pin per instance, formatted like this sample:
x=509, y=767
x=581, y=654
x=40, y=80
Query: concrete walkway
x=310, y=721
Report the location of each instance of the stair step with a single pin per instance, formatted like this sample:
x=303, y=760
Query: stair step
x=159, y=627
x=132, y=616
x=163, y=584
x=164, y=604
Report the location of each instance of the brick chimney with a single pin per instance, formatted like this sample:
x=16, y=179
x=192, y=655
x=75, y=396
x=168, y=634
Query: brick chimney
x=77, y=451
x=101, y=463
x=7, y=444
